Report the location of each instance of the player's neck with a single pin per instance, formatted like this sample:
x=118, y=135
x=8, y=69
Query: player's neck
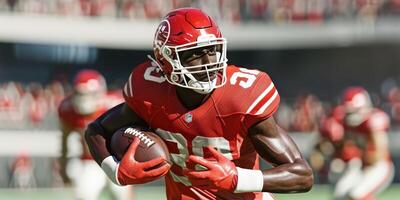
x=191, y=99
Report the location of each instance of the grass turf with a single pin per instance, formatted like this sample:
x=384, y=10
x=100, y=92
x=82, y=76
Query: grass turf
x=319, y=192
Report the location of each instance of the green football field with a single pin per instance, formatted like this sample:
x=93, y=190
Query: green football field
x=155, y=192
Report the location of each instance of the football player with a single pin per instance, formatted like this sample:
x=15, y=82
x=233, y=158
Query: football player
x=358, y=133
x=87, y=102
x=215, y=119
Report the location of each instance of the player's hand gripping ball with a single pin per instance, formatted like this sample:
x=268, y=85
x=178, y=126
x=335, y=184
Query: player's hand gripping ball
x=143, y=155
x=221, y=173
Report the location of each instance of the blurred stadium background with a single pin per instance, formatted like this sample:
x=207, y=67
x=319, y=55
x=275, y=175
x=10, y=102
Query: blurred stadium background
x=312, y=49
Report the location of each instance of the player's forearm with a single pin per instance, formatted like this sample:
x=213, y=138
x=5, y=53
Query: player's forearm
x=96, y=143
x=104, y=126
x=291, y=177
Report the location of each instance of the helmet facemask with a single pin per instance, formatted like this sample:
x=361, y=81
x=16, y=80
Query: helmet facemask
x=88, y=95
x=213, y=74
x=181, y=32
x=86, y=104
x=357, y=108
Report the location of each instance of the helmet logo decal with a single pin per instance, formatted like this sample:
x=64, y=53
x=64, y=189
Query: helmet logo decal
x=162, y=34
x=188, y=117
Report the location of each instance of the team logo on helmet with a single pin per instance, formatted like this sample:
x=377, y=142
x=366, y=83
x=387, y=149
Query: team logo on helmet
x=162, y=34
x=188, y=117
x=189, y=29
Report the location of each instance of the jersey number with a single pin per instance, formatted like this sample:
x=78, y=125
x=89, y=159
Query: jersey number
x=247, y=74
x=179, y=158
x=150, y=77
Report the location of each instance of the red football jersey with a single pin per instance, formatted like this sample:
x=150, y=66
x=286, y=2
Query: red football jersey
x=375, y=121
x=222, y=121
x=78, y=122
x=355, y=131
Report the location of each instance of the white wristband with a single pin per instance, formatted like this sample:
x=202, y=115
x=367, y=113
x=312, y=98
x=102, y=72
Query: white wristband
x=249, y=180
x=110, y=167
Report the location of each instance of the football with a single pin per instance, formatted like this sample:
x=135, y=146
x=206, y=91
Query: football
x=151, y=146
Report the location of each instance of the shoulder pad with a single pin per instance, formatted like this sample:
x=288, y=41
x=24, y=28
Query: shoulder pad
x=252, y=93
x=378, y=121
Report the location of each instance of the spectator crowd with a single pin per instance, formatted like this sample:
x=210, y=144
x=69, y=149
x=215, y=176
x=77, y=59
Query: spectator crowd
x=233, y=11
x=34, y=105
x=29, y=106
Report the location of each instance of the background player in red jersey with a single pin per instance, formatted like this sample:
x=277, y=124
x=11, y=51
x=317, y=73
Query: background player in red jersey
x=358, y=132
x=87, y=102
x=215, y=119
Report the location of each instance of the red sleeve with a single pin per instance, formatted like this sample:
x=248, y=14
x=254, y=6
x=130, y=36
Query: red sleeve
x=143, y=95
x=332, y=129
x=63, y=109
x=262, y=101
x=131, y=99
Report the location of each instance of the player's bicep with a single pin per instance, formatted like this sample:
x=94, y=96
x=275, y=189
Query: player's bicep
x=272, y=143
x=118, y=117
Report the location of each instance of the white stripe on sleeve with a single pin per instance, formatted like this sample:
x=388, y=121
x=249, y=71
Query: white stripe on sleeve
x=265, y=106
x=259, y=98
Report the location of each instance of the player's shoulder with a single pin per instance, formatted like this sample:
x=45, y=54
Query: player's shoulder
x=378, y=120
x=245, y=80
x=65, y=106
x=331, y=128
x=245, y=77
x=376, y=112
x=249, y=91
x=66, y=111
x=338, y=113
x=146, y=83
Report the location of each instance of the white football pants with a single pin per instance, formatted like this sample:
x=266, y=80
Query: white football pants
x=360, y=183
x=91, y=180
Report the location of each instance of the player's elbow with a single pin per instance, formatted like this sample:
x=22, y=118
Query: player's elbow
x=307, y=182
x=305, y=179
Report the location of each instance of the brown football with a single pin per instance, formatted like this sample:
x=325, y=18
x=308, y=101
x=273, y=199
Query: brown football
x=151, y=145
